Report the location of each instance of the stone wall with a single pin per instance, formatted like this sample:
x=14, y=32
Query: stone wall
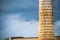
x=26, y=38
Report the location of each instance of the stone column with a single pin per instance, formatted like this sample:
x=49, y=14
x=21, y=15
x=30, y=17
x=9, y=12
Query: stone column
x=46, y=20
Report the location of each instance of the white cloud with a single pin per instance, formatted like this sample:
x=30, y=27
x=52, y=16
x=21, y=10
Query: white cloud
x=13, y=26
x=58, y=23
x=57, y=28
x=24, y=28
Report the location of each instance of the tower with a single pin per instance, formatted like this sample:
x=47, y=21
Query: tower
x=46, y=20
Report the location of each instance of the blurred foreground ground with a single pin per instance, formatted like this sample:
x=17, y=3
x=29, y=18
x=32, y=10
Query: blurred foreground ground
x=31, y=38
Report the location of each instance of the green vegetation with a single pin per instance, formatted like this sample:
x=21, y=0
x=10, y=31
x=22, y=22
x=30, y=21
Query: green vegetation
x=6, y=38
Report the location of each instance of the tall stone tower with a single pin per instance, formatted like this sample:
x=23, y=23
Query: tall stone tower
x=46, y=20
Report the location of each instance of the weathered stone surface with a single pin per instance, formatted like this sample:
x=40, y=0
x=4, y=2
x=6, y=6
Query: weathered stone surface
x=46, y=20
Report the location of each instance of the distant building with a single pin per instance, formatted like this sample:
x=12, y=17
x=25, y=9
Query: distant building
x=57, y=37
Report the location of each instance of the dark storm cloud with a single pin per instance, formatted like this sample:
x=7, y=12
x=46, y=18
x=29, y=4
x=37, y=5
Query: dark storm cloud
x=28, y=8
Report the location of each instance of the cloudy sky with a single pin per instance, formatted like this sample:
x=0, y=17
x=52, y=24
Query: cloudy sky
x=20, y=18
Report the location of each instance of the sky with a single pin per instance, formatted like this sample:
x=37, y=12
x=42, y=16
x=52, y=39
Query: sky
x=20, y=18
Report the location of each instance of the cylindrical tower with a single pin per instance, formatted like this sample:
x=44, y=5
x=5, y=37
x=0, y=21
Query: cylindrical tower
x=46, y=20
